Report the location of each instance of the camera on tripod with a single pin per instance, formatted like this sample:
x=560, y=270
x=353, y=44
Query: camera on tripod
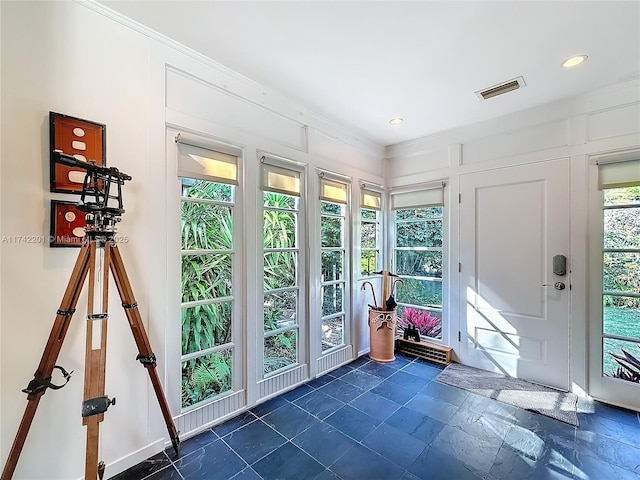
x=103, y=206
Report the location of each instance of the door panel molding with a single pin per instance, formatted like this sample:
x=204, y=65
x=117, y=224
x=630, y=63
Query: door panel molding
x=512, y=222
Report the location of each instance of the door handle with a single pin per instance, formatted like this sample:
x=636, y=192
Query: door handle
x=557, y=285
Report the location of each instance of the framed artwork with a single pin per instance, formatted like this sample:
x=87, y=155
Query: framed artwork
x=82, y=139
x=67, y=225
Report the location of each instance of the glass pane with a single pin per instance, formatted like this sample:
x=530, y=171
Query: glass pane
x=331, y=266
x=621, y=359
x=621, y=272
x=332, y=299
x=207, y=190
x=279, y=229
x=417, y=213
x=419, y=234
x=419, y=263
x=280, y=351
x=622, y=196
x=332, y=332
x=419, y=292
x=280, y=310
x=331, y=231
x=368, y=235
x=428, y=323
x=619, y=319
x=369, y=214
x=280, y=269
x=280, y=200
x=206, y=226
x=368, y=262
x=206, y=377
x=329, y=207
x=206, y=276
x=205, y=326
x=622, y=228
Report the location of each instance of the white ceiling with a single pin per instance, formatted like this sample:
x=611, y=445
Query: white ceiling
x=362, y=63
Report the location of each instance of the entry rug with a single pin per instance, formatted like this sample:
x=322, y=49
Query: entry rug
x=519, y=393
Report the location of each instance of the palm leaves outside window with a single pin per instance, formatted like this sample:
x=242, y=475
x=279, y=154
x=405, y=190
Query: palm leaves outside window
x=206, y=285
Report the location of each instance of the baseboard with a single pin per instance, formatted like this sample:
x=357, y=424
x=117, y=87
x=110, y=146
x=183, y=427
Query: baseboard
x=133, y=459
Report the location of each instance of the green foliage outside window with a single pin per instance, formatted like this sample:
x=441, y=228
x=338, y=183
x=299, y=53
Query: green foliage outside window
x=621, y=280
x=418, y=260
x=369, y=241
x=280, y=272
x=332, y=262
x=206, y=277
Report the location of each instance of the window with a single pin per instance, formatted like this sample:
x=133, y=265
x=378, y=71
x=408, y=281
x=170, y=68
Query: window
x=370, y=203
x=282, y=188
x=417, y=258
x=207, y=274
x=334, y=261
x=620, y=182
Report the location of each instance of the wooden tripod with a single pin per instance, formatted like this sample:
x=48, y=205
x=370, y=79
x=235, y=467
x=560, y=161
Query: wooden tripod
x=98, y=255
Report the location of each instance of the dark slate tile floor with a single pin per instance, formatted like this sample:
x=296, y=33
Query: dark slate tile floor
x=374, y=421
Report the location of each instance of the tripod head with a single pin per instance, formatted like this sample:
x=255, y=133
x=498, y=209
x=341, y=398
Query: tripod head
x=104, y=208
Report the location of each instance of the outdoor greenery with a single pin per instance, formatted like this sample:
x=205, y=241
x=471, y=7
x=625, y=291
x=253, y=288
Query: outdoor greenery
x=369, y=241
x=622, y=231
x=629, y=367
x=280, y=272
x=206, y=322
x=418, y=259
x=621, y=277
x=332, y=263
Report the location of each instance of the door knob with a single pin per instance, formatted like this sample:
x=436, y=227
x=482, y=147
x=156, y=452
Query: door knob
x=557, y=285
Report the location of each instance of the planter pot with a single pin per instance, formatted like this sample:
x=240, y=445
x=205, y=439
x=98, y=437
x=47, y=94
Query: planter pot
x=382, y=329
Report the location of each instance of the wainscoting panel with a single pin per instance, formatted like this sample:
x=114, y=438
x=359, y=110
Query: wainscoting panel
x=335, y=359
x=282, y=381
x=201, y=417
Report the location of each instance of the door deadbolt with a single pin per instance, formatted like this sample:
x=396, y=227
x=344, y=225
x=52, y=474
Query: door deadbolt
x=557, y=285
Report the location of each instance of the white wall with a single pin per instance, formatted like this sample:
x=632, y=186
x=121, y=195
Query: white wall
x=607, y=120
x=82, y=60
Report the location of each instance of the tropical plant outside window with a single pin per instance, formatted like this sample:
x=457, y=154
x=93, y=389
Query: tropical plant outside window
x=621, y=283
x=207, y=296
x=334, y=270
x=281, y=281
x=418, y=260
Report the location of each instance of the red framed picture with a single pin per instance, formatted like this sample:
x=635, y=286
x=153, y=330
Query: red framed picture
x=82, y=139
x=67, y=225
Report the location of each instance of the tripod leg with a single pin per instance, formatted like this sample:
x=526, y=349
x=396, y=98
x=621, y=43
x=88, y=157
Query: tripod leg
x=42, y=378
x=96, y=352
x=145, y=353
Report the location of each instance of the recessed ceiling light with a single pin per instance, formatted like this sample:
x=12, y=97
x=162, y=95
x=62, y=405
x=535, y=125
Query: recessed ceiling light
x=574, y=61
x=396, y=121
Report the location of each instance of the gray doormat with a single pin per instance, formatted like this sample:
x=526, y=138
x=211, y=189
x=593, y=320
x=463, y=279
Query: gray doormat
x=530, y=396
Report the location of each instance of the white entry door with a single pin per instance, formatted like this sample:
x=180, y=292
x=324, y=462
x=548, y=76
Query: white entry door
x=515, y=309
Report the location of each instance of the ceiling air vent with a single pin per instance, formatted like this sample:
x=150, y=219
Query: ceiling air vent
x=504, y=87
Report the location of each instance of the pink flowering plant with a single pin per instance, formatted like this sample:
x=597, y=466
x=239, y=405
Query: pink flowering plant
x=428, y=324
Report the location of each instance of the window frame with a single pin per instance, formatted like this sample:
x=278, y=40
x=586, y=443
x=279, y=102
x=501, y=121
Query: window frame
x=612, y=293
x=378, y=225
x=416, y=197
x=212, y=300
x=233, y=346
x=281, y=166
x=342, y=183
